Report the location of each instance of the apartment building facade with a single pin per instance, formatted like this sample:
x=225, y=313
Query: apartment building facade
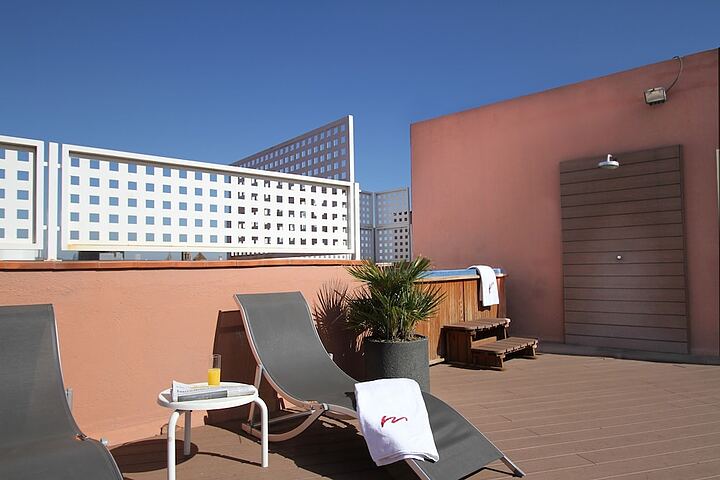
x=326, y=152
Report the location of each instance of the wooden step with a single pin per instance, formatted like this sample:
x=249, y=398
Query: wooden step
x=506, y=345
x=459, y=337
x=478, y=325
x=492, y=354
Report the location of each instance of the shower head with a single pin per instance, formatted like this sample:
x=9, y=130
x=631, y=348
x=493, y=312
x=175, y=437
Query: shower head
x=610, y=163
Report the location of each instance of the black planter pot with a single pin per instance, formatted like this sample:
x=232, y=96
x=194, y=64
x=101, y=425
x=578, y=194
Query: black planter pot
x=384, y=359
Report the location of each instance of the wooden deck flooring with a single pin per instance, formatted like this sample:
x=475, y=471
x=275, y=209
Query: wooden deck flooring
x=558, y=417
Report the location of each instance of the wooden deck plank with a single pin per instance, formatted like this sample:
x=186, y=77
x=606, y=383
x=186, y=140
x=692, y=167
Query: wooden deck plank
x=699, y=471
x=547, y=401
x=646, y=464
x=514, y=404
x=654, y=447
x=559, y=417
x=582, y=429
x=616, y=439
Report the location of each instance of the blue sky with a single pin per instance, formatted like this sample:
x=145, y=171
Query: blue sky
x=216, y=81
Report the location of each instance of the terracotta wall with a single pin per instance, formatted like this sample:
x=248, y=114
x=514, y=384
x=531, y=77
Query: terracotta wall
x=485, y=183
x=125, y=334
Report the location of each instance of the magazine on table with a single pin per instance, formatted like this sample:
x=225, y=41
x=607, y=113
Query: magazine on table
x=183, y=392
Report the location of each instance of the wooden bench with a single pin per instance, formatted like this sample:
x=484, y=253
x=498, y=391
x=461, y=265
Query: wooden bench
x=459, y=337
x=493, y=354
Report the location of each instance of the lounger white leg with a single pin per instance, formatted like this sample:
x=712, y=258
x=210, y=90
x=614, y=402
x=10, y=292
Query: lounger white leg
x=263, y=430
x=188, y=432
x=516, y=470
x=281, y=437
x=258, y=380
x=172, y=423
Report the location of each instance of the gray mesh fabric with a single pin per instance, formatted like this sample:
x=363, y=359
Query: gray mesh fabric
x=284, y=338
x=38, y=435
x=462, y=448
x=290, y=350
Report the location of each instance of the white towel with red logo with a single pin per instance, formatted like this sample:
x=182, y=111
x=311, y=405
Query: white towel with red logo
x=394, y=421
x=489, y=288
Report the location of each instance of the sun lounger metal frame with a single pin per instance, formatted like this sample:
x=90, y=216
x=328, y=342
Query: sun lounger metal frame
x=315, y=409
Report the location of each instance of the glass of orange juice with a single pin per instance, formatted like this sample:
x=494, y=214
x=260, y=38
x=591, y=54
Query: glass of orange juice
x=214, y=369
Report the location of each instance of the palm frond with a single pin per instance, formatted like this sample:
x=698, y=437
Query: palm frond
x=392, y=302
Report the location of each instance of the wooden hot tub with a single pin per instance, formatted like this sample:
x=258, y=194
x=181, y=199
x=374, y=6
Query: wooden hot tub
x=460, y=305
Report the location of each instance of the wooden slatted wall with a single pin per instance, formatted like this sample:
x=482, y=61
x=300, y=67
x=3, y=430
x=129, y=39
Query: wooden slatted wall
x=637, y=301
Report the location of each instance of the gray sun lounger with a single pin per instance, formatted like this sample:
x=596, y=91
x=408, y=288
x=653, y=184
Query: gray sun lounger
x=291, y=357
x=39, y=438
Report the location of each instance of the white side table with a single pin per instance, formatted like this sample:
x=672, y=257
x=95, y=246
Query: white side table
x=165, y=400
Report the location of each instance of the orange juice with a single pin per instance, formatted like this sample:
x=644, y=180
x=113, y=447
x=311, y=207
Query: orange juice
x=213, y=376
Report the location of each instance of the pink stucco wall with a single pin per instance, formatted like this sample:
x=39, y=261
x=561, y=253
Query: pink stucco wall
x=485, y=183
x=125, y=334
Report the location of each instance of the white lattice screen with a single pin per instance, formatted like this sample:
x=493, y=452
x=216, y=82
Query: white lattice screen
x=392, y=207
x=122, y=201
x=385, y=225
x=21, y=193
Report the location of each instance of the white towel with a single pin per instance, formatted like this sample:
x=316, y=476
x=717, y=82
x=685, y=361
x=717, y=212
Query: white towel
x=394, y=420
x=489, y=285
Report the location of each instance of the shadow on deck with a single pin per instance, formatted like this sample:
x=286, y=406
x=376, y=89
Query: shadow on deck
x=559, y=417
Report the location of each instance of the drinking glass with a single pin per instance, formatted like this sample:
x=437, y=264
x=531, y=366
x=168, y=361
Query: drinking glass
x=214, y=369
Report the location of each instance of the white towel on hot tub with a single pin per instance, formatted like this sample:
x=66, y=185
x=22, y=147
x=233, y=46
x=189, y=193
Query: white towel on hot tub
x=394, y=420
x=489, y=285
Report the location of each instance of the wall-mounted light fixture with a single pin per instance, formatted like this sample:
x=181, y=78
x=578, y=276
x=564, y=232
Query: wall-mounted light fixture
x=658, y=95
x=610, y=163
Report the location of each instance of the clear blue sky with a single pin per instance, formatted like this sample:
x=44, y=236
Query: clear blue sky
x=217, y=81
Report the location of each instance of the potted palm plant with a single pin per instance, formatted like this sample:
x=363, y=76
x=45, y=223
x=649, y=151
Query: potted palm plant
x=387, y=308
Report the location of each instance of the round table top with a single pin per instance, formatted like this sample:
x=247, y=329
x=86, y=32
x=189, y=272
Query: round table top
x=165, y=400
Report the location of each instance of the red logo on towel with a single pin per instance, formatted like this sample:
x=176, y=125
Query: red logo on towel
x=391, y=419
